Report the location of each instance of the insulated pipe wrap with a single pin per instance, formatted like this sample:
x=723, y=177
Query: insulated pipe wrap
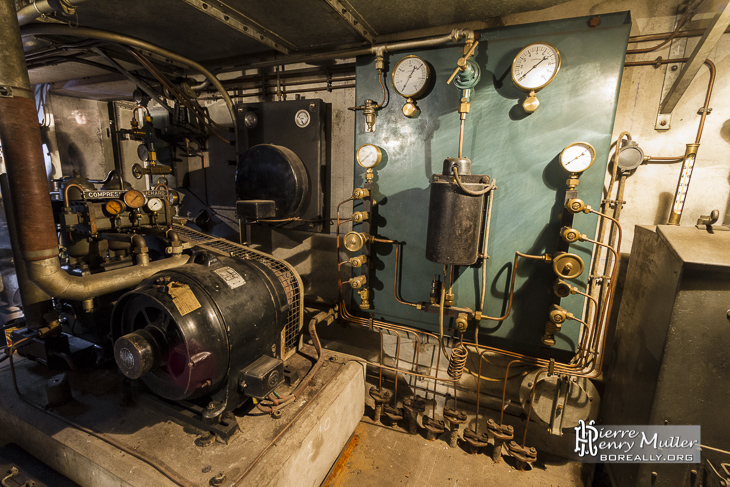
x=20, y=137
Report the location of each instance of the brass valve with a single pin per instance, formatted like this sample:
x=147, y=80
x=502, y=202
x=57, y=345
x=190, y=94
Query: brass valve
x=369, y=110
x=464, y=108
x=359, y=216
x=567, y=265
x=576, y=205
x=571, y=235
x=461, y=64
x=354, y=241
x=558, y=315
x=360, y=193
x=358, y=261
x=562, y=289
x=357, y=282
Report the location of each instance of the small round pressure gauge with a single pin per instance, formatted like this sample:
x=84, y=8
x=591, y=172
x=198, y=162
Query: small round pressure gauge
x=410, y=77
x=302, y=118
x=535, y=66
x=369, y=156
x=577, y=157
x=134, y=199
x=114, y=207
x=154, y=204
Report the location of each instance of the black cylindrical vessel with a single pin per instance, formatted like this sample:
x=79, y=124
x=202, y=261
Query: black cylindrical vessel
x=189, y=331
x=455, y=218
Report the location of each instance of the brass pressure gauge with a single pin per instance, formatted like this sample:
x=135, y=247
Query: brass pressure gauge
x=568, y=266
x=134, y=199
x=369, y=156
x=354, y=241
x=535, y=67
x=410, y=80
x=577, y=157
x=154, y=204
x=115, y=207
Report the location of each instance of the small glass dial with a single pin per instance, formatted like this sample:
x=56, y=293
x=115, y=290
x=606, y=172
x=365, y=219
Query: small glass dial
x=369, y=155
x=302, y=118
x=410, y=77
x=535, y=66
x=577, y=157
x=154, y=204
x=134, y=199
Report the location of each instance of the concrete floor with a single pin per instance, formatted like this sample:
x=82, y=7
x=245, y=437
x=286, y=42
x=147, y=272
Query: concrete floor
x=379, y=456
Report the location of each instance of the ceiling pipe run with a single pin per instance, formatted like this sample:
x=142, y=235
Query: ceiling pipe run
x=39, y=8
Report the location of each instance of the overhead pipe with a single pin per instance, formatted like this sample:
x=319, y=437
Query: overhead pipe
x=39, y=8
x=20, y=138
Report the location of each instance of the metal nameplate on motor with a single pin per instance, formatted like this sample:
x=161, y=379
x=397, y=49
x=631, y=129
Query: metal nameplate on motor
x=117, y=193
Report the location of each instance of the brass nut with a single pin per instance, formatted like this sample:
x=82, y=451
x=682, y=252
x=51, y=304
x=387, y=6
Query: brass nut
x=462, y=322
x=449, y=299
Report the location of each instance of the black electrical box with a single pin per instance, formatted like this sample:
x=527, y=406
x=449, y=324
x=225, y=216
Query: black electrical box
x=254, y=210
x=263, y=376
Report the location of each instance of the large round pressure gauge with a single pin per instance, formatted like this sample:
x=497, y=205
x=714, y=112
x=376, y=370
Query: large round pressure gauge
x=535, y=66
x=577, y=157
x=369, y=156
x=134, y=199
x=410, y=77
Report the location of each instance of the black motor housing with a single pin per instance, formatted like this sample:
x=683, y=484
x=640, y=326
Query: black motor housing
x=192, y=331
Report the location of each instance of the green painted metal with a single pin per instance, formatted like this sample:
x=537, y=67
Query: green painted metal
x=520, y=151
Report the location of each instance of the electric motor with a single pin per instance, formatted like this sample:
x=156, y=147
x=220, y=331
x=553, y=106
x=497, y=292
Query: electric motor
x=198, y=329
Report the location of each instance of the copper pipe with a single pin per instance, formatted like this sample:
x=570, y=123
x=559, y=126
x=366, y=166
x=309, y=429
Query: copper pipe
x=504, y=388
x=682, y=20
x=395, y=280
x=461, y=137
x=65, y=192
x=397, y=362
x=664, y=35
x=711, y=66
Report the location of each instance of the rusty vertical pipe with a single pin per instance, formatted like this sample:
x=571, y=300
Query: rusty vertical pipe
x=20, y=137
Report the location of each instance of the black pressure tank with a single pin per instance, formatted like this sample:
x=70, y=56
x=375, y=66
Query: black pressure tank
x=455, y=218
x=196, y=330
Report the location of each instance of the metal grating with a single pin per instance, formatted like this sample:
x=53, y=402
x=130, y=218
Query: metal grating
x=288, y=277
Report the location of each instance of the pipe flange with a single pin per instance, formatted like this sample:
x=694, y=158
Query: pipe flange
x=501, y=432
x=475, y=440
x=379, y=396
x=414, y=404
x=393, y=414
x=434, y=426
x=524, y=455
x=454, y=417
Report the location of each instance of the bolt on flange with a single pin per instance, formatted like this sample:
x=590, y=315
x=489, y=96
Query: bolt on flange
x=523, y=455
x=501, y=433
x=413, y=406
x=455, y=419
x=380, y=397
x=393, y=414
x=475, y=440
x=435, y=427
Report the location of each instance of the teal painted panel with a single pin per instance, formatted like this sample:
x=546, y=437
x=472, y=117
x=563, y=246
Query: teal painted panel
x=519, y=151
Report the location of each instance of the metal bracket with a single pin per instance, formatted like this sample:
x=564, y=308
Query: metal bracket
x=240, y=22
x=703, y=110
x=355, y=20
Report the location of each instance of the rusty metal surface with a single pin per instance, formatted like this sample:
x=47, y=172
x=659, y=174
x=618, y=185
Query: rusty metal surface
x=21, y=141
x=379, y=456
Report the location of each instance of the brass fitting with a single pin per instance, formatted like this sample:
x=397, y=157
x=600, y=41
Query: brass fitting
x=562, y=289
x=464, y=107
x=577, y=205
x=571, y=235
x=531, y=103
x=572, y=181
x=558, y=315
x=360, y=193
x=462, y=322
x=369, y=175
x=449, y=300
x=567, y=265
x=358, y=261
x=365, y=298
x=354, y=241
x=370, y=115
x=357, y=282
x=359, y=216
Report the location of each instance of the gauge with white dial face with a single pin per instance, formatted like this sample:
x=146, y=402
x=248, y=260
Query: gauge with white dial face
x=410, y=77
x=535, y=66
x=369, y=155
x=154, y=204
x=577, y=157
x=302, y=118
